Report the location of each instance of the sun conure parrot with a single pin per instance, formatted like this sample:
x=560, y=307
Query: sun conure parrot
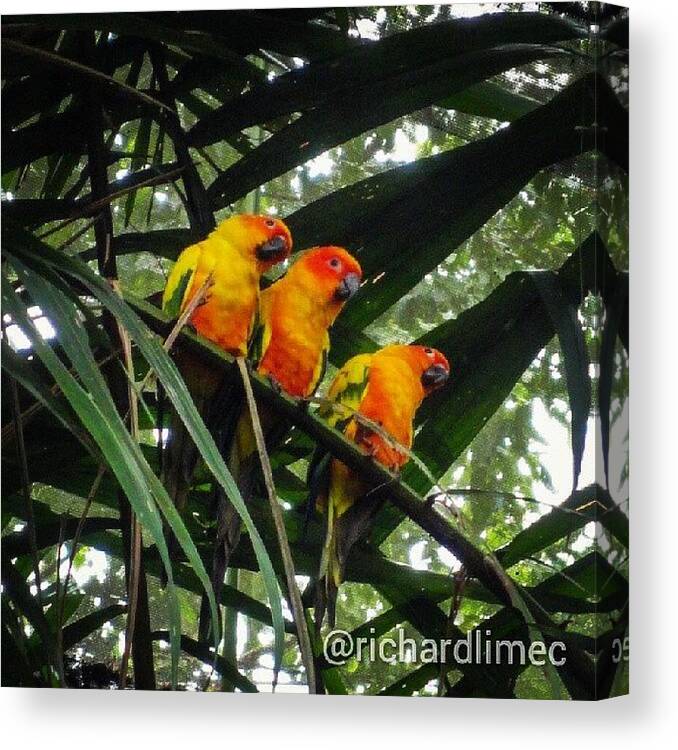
x=290, y=346
x=235, y=254
x=386, y=388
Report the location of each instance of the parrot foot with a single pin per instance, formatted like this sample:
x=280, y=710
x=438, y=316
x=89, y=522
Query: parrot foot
x=393, y=468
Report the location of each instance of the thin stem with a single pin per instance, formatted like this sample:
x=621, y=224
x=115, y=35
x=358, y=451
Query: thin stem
x=182, y=320
x=97, y=205
x=230, y=624
x=285, y=551
x=133, y=599
x=67, y=243
x=59, y=647
x=135, y=557
x=25, y=484
x=455, y=603
x=76, y=539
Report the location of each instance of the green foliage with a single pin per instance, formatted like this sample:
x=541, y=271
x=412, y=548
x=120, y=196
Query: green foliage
x=476, y=167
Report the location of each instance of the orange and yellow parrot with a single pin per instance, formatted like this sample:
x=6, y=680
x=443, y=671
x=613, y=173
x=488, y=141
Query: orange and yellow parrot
x=233, y=256
x=236, y=254
x=386, y=388
x=290, y=346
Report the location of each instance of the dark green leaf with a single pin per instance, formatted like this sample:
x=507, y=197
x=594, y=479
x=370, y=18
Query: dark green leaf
x=564, y=317
x=80, y=629
x=353, y=112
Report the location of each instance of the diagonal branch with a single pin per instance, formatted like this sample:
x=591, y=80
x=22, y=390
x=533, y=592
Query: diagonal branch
x=398, y=492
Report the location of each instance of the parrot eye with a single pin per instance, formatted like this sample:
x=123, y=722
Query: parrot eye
x=429, y=352
x=270, y=223
x=335, y=263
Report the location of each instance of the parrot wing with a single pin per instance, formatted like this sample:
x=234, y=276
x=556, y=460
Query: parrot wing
x=344, y=396
x=321, y=364
x=347, y=391
x=260, y=336
x=180, y=281
x=259, y=340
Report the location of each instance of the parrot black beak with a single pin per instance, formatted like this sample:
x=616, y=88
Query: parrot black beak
x=348, y=287
x=273, y=249
x=435, y=377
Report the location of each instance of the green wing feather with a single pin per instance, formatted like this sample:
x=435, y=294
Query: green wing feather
x=321, y=367
x=255, y=346
x=180, y=281
x=347, y=390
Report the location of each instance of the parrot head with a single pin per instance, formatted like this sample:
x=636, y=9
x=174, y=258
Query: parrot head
x=331, y=272
x=266, y=238
x=437, y=368
x=429, y=365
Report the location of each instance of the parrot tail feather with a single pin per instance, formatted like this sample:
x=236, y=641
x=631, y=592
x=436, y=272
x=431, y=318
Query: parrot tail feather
x=329, y=576
x=343, y=532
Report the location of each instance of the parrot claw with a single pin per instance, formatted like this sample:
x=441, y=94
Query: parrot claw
x=371, y=451
x=393, y=468
x=368, y=449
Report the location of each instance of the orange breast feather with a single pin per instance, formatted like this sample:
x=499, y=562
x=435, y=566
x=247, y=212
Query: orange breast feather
x=391, y=400
x=297, y=337
x=227, y=314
